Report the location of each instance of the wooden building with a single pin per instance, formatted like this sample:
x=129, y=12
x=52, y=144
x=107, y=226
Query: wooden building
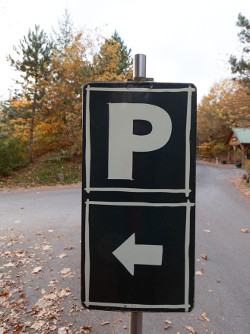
x=239, y=138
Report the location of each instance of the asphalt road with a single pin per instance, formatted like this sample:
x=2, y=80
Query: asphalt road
x=43, y=225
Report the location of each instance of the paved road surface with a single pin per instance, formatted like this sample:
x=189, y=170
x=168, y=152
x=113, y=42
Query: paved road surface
x=38, y=226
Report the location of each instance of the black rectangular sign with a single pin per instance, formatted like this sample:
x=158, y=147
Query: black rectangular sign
x=138, y=196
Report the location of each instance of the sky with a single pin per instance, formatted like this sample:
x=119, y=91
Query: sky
x=185, y=41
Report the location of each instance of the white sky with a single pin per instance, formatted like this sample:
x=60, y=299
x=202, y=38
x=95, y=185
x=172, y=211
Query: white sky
x=184, y=41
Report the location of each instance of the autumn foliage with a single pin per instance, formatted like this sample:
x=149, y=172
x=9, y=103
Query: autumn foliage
x=226, y=106
x=46, y=113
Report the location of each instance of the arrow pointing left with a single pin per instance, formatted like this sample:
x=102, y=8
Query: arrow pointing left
x=130, y=254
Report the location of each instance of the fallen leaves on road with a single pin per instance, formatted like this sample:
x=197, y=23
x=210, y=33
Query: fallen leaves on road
x=36, y=270
x=241, y=186
x=244, y=230
x=46, y=247
x=69, y=248
x=38, y=325
x=204, y=317
x=62, y=256
x=191, y=329
x=198, y=272
x=27, y=303
x=204, y=256
x=10, y=264
x=86, y=327
x=65, y=271
x=208, y=231
x=168, y=324
x=104, y=323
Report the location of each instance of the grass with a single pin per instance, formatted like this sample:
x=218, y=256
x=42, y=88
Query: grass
x=45, y=172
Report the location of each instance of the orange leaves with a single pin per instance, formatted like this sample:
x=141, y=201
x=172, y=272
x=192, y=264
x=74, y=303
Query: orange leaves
x=244, y=230
x=55, y=115
x=225, y=106
x=22, y=102
x=107, y=63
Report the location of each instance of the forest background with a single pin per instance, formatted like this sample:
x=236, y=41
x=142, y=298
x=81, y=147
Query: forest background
x=41, y=122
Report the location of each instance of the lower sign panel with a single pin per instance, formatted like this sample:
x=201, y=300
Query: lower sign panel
x=138, y=256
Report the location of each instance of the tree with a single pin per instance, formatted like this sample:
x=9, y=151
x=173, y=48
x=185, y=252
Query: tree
x=241, y=66
x=33, y=62
x=126, y=62
x=70, y=70
x=72, y=67
x=226, y=106
x=113, y=62
x=65, y=31
x=13, y=149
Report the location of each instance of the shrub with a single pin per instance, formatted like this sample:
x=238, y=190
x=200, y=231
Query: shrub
x=204, y=150
x=13, y=154
x=218, y=149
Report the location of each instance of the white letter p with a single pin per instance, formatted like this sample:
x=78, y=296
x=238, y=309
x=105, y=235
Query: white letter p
x=122, y=141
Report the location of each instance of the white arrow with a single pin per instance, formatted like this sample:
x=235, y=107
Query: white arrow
x=130, y=254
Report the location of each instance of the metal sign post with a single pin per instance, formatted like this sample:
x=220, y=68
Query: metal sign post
x=136, y=323
x=138, y=212
x=139, y=75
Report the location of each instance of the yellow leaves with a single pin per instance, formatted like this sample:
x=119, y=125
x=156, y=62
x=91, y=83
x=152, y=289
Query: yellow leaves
x=58, y=112
x=225, y=106
x=23, y=102
x=107, y=63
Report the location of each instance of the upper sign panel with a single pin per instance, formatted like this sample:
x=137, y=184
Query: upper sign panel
x=138, y=138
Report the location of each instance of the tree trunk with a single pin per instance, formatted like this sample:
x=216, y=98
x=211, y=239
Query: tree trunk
x=32, y=156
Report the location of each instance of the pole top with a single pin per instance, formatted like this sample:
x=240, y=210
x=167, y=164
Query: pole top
x=140, y=68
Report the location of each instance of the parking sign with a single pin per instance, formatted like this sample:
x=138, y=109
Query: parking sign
x=138, y=196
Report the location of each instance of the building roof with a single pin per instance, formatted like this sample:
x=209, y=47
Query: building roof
x=242, y=134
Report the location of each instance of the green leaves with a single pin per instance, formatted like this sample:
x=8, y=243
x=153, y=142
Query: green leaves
x=242, y=66
x=48, y=109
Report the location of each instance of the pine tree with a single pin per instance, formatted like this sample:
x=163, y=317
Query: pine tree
x=126, y=62
x=33, y=62
x=65, y=31
x=113, y=62
x=241, y=66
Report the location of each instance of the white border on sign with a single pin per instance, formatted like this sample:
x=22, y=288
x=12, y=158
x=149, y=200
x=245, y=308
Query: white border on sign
x=187, y=189
x=186, y=304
